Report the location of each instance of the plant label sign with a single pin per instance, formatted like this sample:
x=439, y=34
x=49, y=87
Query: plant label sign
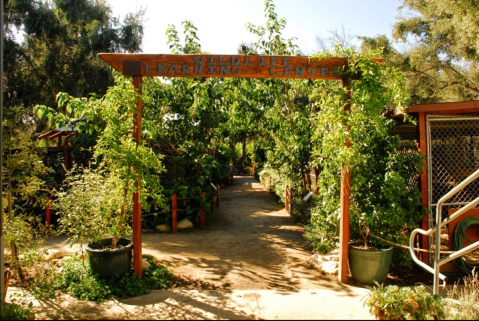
x=237, y=66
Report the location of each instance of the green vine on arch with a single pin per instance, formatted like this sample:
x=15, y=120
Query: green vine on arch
x=382, y=189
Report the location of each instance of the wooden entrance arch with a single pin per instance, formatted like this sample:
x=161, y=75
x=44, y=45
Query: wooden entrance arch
x=233, y=66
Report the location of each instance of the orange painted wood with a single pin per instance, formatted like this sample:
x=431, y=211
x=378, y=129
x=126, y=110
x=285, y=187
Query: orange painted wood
x=235, y=66
x=217, y=195
x=174, y=213
x=424, y=199
x=202, y=210
x=137, y=246
x=286, y=198
x=449, y=108
x=344, y=229
x=291, y=197
x=48, y=214
x=47, y=134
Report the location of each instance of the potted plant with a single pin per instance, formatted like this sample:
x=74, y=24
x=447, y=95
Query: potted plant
x=384, y=203
x=90, y=216
x=96, y=204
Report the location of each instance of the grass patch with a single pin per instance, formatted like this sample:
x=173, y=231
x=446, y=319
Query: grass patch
x=463, y=302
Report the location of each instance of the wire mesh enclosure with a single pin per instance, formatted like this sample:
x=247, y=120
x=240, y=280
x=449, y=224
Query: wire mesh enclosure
x=452, y=155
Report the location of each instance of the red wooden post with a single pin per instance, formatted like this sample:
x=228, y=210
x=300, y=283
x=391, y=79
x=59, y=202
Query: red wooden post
x=229, y=179
x=218, y=195
x=286, y=198
x=270, y=186
x=344, y=231
x=48, y=216
x=137, y=249
x=291, y=197
x=424, y=200
x=254, y=169
x=174, y=218
x=202, y=210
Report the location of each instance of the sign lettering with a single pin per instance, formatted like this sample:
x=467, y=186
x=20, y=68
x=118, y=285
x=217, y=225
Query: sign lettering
x=239, y=66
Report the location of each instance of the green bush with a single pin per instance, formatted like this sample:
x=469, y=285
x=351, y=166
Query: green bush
x=405, y=303
x=77, y=279
x=14, y=311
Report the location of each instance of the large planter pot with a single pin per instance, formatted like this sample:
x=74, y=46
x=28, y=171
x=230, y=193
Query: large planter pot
x=369, y=265
x=107, y=262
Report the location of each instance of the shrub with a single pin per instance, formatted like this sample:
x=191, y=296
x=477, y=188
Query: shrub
x=14, y=311
x=80, y=282
x=406, y=303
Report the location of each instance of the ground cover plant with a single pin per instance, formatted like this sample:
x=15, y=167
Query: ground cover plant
x=16, y=311
x=405, y=303
x=74, y=277
x=416, y=303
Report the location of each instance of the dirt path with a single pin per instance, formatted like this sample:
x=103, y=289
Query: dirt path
x=250, y=242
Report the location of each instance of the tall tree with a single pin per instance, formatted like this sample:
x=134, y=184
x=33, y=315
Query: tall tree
x=442, y=58
x=57, y=46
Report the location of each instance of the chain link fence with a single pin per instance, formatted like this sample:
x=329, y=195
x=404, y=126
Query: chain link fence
x=452, y=155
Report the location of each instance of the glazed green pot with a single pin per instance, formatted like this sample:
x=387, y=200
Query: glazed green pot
x=107, y=262
x=367, y=266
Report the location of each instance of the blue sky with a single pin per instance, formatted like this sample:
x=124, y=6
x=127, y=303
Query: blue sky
x=221, y=23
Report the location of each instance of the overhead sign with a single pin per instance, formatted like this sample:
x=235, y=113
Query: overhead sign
x=237, y=66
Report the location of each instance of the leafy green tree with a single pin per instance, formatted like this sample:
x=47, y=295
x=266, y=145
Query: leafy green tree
x=189, y=112
x=24, y=190
x=383, y=203
x=57, y=51
x=124, y=160
x=441, y=59
x=286, y=107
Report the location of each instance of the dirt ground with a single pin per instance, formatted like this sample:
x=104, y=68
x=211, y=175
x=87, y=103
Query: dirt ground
x=249, y=242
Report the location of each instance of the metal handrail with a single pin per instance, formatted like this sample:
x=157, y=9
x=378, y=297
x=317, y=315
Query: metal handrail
x=439, y=224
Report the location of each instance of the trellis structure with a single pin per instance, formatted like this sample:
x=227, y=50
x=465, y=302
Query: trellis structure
x=232, y=66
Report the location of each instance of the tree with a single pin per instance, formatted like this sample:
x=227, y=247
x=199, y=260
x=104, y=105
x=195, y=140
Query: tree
x=286, y=107
x=441, y=61
x=24, y=189
x=58, y=52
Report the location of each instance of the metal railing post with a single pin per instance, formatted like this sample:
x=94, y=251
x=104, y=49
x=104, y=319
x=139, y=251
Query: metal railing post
x=437, y=229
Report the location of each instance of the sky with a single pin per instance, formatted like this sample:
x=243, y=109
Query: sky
x=221, y=24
